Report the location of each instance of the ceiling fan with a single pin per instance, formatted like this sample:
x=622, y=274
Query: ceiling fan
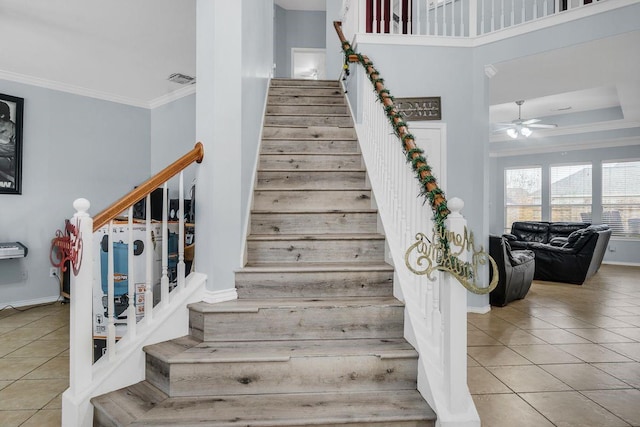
x=522, y=127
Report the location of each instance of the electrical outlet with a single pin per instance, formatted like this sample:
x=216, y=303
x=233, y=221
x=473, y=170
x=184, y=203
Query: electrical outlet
x=53, y=272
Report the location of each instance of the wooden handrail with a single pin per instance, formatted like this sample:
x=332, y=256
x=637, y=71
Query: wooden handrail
x=140, y=192
x=425, y=176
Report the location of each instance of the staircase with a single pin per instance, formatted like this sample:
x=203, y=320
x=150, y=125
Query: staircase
x=316, y=336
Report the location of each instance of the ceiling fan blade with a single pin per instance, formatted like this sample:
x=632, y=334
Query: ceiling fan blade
x=505, y=124
x=530, y=121
x=502, y=129
x=543, y=126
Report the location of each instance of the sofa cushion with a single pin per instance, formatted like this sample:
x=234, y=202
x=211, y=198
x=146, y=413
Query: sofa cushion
x=530, y=231
x=520, y=257
x=564, y=229
x=579, y=238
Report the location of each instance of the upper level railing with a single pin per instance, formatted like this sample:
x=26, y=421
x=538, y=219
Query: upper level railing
x=448, y=18
x=113, y=303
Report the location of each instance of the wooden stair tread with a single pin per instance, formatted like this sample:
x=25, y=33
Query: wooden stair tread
x=314, y=267
x=176, y=351
x=254, y=306
x=304, y=237
x=144, y=405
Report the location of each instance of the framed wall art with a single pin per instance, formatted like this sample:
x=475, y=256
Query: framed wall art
x=11, y=116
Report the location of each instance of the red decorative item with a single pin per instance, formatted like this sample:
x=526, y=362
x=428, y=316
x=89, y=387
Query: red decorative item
x=67, y=246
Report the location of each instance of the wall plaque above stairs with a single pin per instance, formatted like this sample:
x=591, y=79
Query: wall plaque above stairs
x=316, y=336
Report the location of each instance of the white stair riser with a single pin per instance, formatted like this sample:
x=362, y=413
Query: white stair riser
x=314, y=284
x=300, y=323
x=329, y=374
x=310, y=161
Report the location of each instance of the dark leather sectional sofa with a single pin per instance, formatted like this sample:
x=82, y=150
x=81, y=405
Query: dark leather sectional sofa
x=567, y=252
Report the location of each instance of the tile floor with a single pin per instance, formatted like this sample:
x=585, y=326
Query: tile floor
x=34, y=364
x=566, y=355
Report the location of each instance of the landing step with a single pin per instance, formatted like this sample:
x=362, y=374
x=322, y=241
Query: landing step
x=142, y=404
x=189, y=350
x=254, y=306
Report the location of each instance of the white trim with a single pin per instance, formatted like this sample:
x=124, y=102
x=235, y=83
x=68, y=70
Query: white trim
x=479, y=310
x=213, y=297
x=412, y=40
x=23, y=303
x=172, y=96
x=76, y=90
x=96, y=94
x=574, y=130
x=619, y=142
x=629, y=264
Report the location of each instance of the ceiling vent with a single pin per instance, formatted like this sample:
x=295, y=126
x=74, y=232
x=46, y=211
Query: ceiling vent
x=181, y=79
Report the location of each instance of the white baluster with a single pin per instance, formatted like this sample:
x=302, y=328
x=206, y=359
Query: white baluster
x=493, y=16
x=544, y=8
x=81, y=303
x=444, y=18
x=131, y=312
x=111, y=326
x=164, y=280
x=501, y=14
x=150, y=244
x=513, y=12
x=535, y=10
x=181, y=266
x=482, y=18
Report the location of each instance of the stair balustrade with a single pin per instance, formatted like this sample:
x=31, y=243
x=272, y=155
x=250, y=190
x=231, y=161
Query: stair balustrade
x=450, y=18
x=435, y=308
x=145, y=317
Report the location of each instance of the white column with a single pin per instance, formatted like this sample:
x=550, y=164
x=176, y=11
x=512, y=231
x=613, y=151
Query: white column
x=219, y=128
x=81, y=321
x=454, y=317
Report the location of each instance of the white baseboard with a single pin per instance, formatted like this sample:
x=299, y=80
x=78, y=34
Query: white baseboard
x=628, y=264
x=479, y=310
x=212, y=297
x=24, y=303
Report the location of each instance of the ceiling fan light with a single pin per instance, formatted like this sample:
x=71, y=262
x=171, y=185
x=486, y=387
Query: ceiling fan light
x=512, y=133
x=526, y=132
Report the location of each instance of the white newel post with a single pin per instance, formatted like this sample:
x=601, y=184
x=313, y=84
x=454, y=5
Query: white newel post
x=74, y=412
x=454, y=317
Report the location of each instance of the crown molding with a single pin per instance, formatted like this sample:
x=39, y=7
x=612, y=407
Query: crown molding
x=603, y=143
x=90, y=93
x=172, y=96
x=76, y=90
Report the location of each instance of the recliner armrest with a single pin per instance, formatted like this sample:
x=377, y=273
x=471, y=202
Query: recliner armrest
x=510, y=237
x=558, y=241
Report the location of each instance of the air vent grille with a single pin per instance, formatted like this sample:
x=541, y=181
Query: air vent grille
x=182, y=79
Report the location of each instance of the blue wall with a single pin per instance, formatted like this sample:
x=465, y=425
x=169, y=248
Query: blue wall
x=73, y=146
x=294, y=28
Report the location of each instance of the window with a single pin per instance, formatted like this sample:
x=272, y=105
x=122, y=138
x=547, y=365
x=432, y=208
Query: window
x=523, y=188
x=571, y=193
x=621, y=197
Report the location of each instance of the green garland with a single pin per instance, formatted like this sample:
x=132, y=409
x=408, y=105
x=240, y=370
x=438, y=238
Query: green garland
x=415, y=156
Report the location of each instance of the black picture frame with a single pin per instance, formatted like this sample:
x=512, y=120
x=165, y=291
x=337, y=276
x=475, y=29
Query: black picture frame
x=11, y=119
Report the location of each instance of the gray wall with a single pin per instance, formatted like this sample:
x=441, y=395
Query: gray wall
x=173, y=133
x=257, y=60
x=620, y=250
x=294, y=28
x=74, y=146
